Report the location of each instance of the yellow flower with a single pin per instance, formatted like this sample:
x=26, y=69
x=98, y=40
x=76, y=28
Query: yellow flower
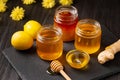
x=66, y=2
x=4, y=1
x=48, y=3
x=2, y=6
x=17, y=13
x=27, y=2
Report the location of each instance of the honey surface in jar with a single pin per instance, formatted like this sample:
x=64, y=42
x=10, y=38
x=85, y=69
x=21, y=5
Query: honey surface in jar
x=77, y=59
x=66, y=19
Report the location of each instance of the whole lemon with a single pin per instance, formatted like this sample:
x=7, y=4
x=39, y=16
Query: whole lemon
x=32, y=27
x=20, y=40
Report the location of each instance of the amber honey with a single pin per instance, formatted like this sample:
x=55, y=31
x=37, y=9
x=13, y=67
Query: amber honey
x=49, y=44
x=66, y=17
x=88, y=36
x=77, y=59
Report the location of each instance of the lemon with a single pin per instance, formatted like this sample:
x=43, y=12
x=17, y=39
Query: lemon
x=20, y=40
x=32, y=27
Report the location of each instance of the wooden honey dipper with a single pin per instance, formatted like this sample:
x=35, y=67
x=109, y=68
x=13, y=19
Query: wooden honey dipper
x=56, y=66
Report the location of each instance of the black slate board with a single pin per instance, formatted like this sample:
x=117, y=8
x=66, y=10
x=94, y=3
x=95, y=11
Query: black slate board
x=30, y=67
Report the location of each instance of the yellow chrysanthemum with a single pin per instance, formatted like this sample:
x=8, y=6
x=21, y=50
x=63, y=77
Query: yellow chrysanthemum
x=27, y=2
x=17, y=13
x=66, y=2
x=2, y=6
x=4, y=1
x=48, y=3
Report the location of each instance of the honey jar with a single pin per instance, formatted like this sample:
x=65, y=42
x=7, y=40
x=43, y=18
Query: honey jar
x=66, y=17
x=77, y=59
x=49, y=43
x=88, y=36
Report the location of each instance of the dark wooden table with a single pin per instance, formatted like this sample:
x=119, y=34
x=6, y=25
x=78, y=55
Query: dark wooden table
x=107, y=12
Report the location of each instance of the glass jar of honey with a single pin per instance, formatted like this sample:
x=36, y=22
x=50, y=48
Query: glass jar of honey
x=66, y=17
x=49, y=43
x=88, y=36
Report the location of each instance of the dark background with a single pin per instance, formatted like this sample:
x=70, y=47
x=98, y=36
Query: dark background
x=107, y=12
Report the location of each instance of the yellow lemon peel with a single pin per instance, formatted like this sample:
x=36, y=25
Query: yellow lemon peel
x=48, y=3
x=20, y=40
x=65, y=2
x=27, y=2
x=2, y=6
x=32, y=27
x=17, y=13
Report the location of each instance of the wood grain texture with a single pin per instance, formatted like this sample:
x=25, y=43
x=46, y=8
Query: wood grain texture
x=107, y=12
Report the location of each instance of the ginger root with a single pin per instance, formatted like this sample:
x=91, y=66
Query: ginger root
x=109, y=52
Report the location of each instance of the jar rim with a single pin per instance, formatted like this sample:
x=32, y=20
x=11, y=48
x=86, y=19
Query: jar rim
x=57, y=32
x=88, y=22
x=70, y=9
x=92, y=21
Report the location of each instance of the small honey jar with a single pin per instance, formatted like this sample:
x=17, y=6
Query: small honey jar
x=77, y=59
x=88, y=36
x=49, y=43
x=66, y=18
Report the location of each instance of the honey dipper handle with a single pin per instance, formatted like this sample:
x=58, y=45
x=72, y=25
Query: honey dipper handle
x=65, y=75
